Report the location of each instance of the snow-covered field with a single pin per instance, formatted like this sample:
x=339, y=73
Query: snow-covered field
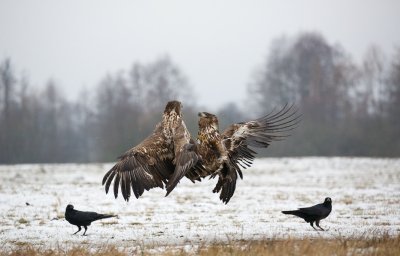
x=365, y=194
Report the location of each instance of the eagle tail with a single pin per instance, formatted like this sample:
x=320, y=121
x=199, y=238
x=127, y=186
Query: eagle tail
x=226, y=182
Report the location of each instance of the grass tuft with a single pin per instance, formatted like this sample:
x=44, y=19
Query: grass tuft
x=23, y=221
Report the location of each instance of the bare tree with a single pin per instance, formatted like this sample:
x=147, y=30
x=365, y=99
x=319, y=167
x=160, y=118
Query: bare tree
x=159, y=82
x=7, y=81
x=129, y=106
x=7, y=135
x=275, y=83
x=317, y=77
x=371, y=87
x=229, y=114
x=306, y=70
x=394, y=91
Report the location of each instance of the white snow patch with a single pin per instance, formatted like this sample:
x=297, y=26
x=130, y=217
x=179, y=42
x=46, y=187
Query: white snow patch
x=365, y=194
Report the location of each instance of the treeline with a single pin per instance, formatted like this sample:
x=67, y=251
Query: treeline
x=43, y=126
x=347, y=108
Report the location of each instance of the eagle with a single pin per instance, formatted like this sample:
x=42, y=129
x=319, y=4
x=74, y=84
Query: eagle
x=152, y=163
x=225, y=154
x=170, y=153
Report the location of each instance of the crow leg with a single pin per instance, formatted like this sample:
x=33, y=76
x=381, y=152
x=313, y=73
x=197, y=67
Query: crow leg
x=312, y=225
x=78, y=230
x=84, y=233
x=317, y=222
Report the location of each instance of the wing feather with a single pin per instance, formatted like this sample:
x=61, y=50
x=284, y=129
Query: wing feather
x=259, y=133
x=106, y=176
x=143, y=167
x=186, y=159
x=116, y=184
x=110, y=179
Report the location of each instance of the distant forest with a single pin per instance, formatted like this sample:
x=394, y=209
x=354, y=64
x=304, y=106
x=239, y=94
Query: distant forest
x=348, y=108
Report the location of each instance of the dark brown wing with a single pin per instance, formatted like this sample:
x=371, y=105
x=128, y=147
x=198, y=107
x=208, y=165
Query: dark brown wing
x=258, y=133
x=143, y=167
x=186, y=159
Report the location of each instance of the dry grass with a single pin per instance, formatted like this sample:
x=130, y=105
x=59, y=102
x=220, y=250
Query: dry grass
x=23, y=221
x=380, y=246
x=383, y=245
x=76, y=251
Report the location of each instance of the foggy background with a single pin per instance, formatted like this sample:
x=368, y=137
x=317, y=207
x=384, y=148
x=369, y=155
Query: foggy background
x=85, y=81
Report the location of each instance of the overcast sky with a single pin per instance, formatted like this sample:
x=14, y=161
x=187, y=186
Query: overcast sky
x=217, y=44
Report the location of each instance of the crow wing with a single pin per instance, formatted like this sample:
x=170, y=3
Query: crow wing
x=143, y=167
x=86, y=217
x=316, y=210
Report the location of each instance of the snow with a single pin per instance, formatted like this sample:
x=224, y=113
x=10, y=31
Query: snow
x=365, y=194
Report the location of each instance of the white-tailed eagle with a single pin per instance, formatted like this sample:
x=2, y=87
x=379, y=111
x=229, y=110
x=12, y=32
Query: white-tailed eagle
x=225, y=154
x=152, y=163
x=170, y=154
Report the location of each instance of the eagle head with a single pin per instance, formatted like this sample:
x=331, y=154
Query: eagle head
x=208, y=120
x=173, y=106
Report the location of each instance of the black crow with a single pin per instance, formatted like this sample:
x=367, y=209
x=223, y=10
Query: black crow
x=84, y=219
x=314, y=213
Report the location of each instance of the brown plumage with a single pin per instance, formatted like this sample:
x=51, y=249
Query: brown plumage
x=161, y=157
x=169, y=154
x=225, y=154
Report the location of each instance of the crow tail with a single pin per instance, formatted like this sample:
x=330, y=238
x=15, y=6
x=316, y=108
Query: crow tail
x=296, y=213
x=289, y=212
x=105, y=216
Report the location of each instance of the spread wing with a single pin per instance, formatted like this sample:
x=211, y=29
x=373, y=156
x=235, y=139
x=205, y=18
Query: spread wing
x=258, y=133
x=143, y=167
